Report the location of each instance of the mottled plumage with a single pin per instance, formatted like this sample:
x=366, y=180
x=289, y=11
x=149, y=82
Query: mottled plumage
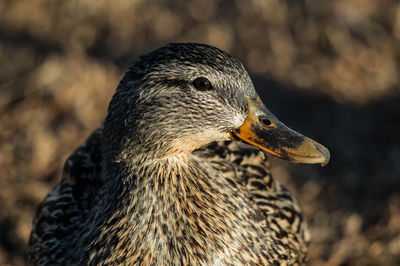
x=159, y=184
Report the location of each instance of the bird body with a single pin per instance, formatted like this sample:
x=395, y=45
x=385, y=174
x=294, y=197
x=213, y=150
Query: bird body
x=160, y=183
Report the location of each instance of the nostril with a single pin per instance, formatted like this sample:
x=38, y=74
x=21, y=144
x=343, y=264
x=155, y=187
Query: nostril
x=265, y=121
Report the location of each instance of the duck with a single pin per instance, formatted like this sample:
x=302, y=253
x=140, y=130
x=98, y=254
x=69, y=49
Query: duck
x=176, y=173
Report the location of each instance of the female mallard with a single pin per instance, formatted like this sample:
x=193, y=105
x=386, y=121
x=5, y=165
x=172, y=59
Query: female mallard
x=140, y=191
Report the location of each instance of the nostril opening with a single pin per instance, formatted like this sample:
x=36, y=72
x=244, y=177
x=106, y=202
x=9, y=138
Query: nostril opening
x=265, y=121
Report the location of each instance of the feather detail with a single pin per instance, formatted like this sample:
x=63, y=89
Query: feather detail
x=66, y=209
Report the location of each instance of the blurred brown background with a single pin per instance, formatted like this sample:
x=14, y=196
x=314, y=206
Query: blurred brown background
x=329, y=69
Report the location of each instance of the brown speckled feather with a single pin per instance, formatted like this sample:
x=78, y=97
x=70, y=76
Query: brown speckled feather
x=248, y=168
x=65, y=209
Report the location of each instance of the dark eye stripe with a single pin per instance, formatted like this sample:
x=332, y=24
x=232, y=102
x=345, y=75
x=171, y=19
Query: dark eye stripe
x=202, y=84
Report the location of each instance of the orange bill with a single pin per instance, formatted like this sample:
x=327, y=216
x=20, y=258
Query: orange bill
x=263, y=130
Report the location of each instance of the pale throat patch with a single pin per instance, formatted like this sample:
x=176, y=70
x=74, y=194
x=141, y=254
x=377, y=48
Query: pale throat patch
x=192, y=142
x=187, y=144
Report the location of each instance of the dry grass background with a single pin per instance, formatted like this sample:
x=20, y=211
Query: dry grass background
x=329, y=69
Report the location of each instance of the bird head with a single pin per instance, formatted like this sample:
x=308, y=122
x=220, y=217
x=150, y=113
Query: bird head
x=184, y=95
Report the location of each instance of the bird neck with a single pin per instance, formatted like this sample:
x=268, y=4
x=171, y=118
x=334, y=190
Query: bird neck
x=170, y=204
x=147, y=178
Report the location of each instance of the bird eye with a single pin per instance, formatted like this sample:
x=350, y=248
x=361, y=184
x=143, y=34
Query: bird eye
x=202, y=84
